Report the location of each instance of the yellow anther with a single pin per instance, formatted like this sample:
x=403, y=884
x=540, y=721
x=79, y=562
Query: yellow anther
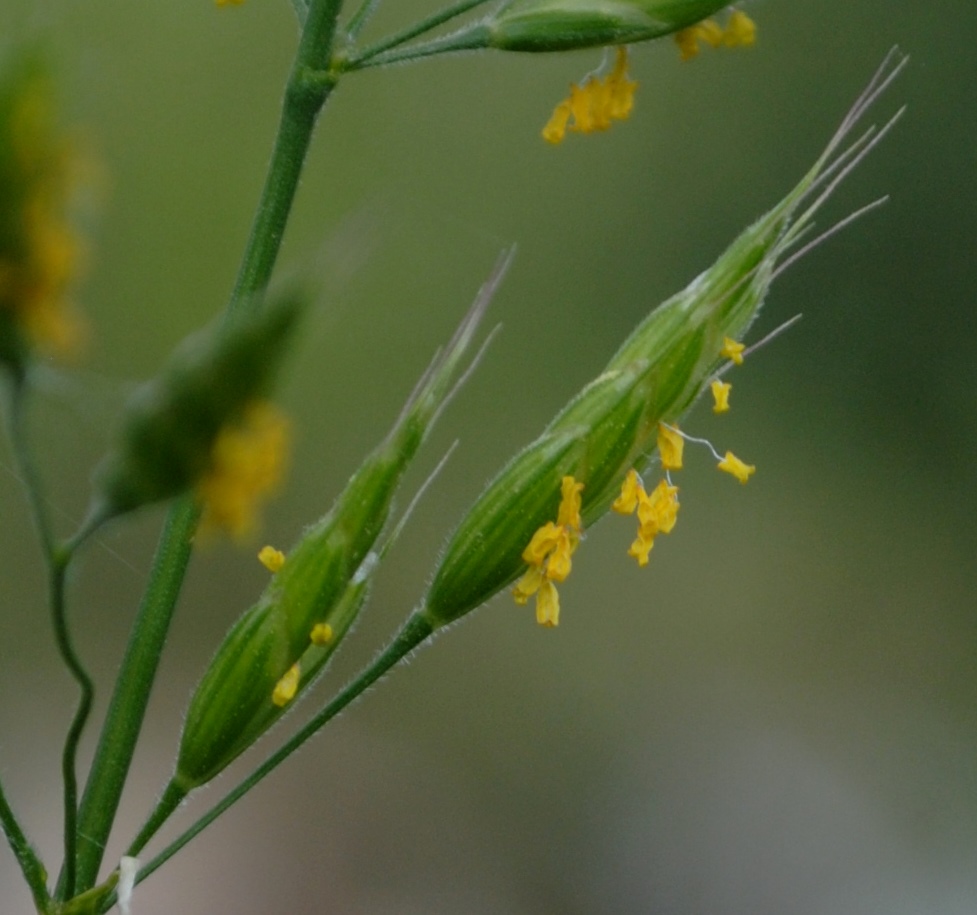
x=592, y=105
x=271, y=558
x=556, y=127
x=732, y=350
x=286, y=688
x=660, y=508
x=528, y=585
x=627, y=502
x=581, y=107
x=247, y=462
x=547, y=605
x=548, y=555
x=558, y=565
x=720, y=393
x=710, y=32
x=321, y=634
x=733, y=465
x=568, y=514
x=642, y=547
x=543, y=543
x=688, y=44
x=670, y=447
x=740, y=30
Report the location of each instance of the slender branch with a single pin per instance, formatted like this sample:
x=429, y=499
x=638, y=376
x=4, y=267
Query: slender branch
x=57, y=560
x=360, y=18
x=413, y=633
x=169, y=800
x=30, y=864
x=30, y=478
x=472, y=37
x=412, y=31
x=83, y=710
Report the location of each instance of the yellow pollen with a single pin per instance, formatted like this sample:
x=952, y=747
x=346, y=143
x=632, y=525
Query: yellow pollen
x=740, y=31
x=558, y=565
x=627, y=502
x=543, y=543
x=568, y=514
x=733, y=465
x=710, y=32
x=593, y=105
x=271, y=558
x=547, y=605
x=549, y=553
x=720, y=393
x=670, y=447
x=642, y=547
x=581, y=107
x=662, y=507
x=286, y=688
x=556, y=127
x=528, y=585
x=732, y=350
x=246, y=464
x=321, y=634
x=688, y=43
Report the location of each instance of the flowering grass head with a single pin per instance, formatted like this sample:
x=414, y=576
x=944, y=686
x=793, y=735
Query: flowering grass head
x=280, y=646
x=611, y=430
x=204, y=422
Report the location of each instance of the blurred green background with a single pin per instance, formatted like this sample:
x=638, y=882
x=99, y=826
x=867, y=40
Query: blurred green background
x=778, y=714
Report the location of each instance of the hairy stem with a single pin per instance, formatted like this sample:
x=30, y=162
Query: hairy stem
x=360, y=18
x=412, y=31
x=472, y=37
x=30, y=864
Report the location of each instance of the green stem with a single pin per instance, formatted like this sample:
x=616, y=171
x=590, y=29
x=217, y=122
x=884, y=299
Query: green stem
x=133, y=685
x=303, y=101
x=309, y=86
x=17, y=433
x=412, y=31
x=171, y=798
x=413, y=633
x=472, y=37
x=30, y=864
x=73, y=737
x=57, y=560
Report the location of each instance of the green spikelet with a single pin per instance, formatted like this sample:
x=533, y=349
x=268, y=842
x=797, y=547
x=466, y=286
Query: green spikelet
x=171, y=422
x=562, y=25
x=611, y=425
x=281, y=645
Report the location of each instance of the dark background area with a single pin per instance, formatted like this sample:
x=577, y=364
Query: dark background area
x=778, y=714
